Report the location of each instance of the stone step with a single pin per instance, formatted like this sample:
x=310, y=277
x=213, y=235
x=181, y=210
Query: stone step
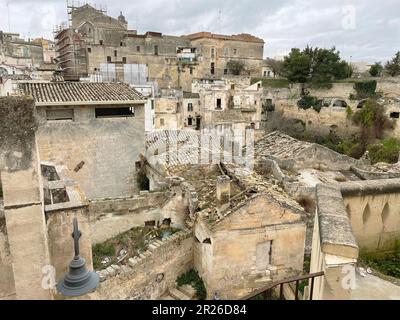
x=177, y=294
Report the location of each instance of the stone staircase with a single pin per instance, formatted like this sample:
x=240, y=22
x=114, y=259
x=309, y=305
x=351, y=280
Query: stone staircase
x=186, y=292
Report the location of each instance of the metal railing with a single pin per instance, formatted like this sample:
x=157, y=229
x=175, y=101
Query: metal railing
x=266, y=291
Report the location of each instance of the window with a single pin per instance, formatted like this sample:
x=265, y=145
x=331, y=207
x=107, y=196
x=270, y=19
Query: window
x=152, y=104
x=121, y=44
x=235, y=52
x=212, y=53
x=190, y=121
x=101, y=42
x=219, y=104
x=61, y=114
x=123, y=59
x=115, y=112
x=190, y=107
x=395, y=115
x=115, y=53
x=191, y=70
x=156, y=50
x=108, y=59
x=212, y=68
x=226, y=51
x=89, y=50
x=137, y=48
x=161, y=122
x=225, y=71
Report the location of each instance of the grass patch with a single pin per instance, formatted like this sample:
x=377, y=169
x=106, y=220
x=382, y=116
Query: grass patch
x=192, y=278
x=272, y=82
x=388, y=264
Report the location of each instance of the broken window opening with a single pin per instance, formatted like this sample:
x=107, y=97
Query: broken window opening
x=207, y=241
x=395, y=115
x=151, y=223
x=167, y=222
x=219, y=103
x=60, y=114
x=125, y=112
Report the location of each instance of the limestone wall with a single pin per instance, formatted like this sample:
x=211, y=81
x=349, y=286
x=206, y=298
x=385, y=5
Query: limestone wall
x=108, y=148
x=149, y=277
x=375, y=221
x=111, y=217
x=7, y=287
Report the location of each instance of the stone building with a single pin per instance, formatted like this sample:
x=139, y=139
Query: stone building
x=215, y=51
x=229, y=105
x=19, y=56
x=94, y=129
x=95, y=43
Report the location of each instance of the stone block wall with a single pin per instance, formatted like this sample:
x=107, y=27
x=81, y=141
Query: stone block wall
x=149, y=276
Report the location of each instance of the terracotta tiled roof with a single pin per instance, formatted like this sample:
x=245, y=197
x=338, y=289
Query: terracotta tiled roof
x=237, y=37
x=79, y=92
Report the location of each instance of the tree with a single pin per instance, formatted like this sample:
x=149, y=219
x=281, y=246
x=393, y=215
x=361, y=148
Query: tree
x=392, y=67
x=315, y=65
x=372, y=121
x=297, y=66
x=275, y=65
x=376, y=69
x=236, y=67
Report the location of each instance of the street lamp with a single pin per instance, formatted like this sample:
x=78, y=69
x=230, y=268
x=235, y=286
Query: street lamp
x=79, y=280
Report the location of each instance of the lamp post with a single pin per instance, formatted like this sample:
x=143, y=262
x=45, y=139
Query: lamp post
x=79, y=280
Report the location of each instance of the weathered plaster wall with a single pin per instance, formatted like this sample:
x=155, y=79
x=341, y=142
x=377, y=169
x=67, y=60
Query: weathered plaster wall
x=375, y=220
x=109, y=148
x=23, y=196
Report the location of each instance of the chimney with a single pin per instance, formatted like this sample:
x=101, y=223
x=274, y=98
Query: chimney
x=223, y=190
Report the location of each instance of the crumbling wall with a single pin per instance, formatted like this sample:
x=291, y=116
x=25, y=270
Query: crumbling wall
x=111, y=217
x=150, y=276
x=236, y=252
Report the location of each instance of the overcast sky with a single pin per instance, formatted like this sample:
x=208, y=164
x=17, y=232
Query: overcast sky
x=367, y=30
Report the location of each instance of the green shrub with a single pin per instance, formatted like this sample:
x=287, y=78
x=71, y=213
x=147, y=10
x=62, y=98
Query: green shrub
x=307, y=102
x=386, y=151
x=365, y=89
x=192, y=278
